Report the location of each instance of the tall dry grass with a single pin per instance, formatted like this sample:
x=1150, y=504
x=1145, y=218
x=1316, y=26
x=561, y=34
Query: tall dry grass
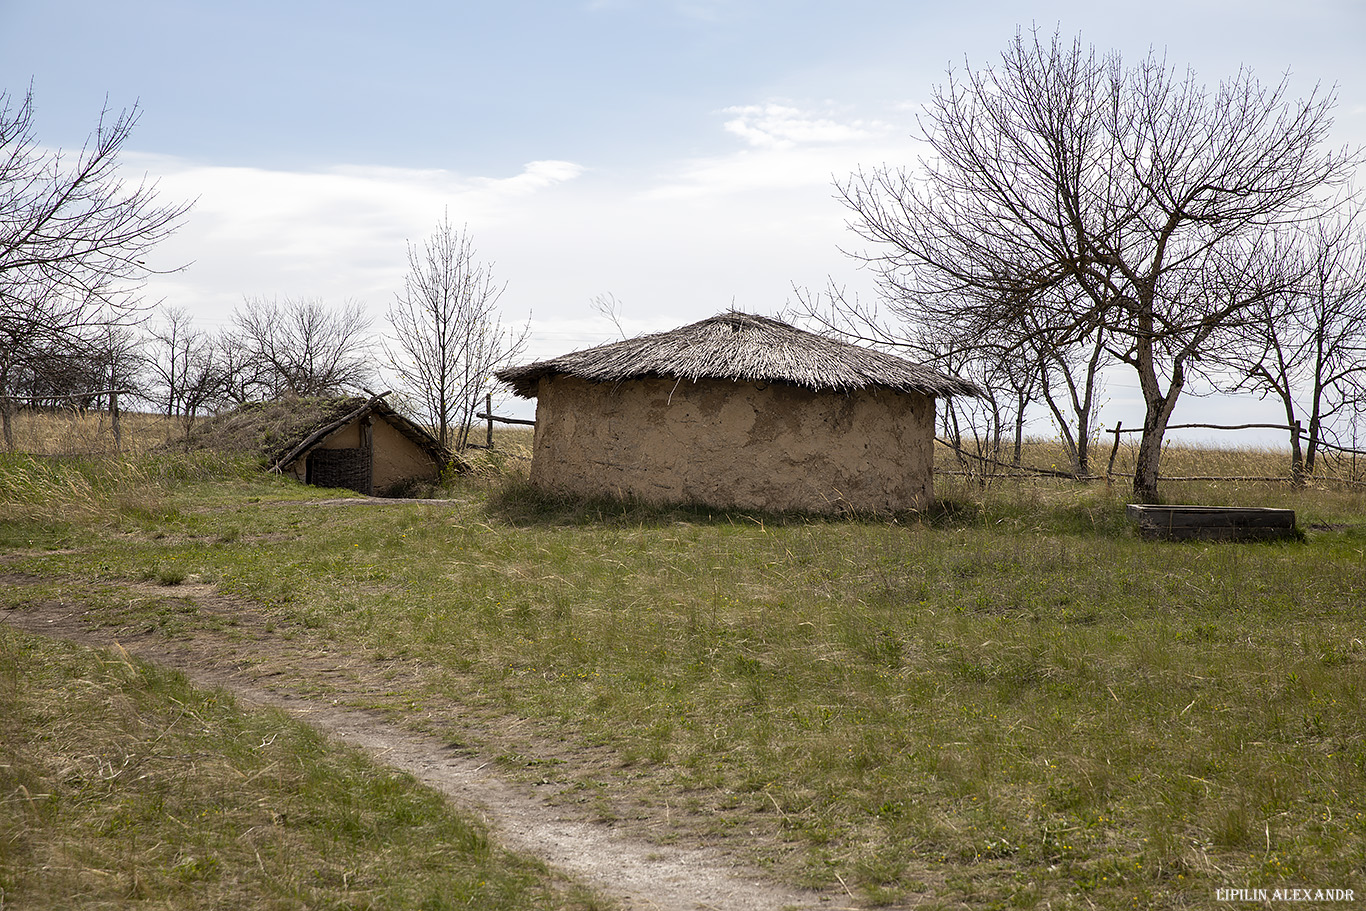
x=71, y=432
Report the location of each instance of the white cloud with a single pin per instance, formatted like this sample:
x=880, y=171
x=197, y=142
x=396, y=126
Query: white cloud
x=334, y=234
x=778, y=126
x=786, y=149
x=751, y=172
x=535, y=176
x=697, y=237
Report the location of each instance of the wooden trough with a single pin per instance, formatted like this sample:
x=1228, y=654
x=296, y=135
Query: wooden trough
x=1213, y=523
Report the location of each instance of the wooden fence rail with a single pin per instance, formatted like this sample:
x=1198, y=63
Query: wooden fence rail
x=1010, y=467
x=1295, y=428
x=488, y=415
x=502, y=420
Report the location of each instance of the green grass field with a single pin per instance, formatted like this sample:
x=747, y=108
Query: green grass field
x=1009, y=702
x=124, y=787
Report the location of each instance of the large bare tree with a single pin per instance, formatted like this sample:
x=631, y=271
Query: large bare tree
x=449, y=336
x=302, y=347
x=1068, y=190
x=74, y=237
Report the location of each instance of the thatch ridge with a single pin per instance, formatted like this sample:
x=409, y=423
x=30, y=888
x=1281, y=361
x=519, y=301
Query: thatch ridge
x=742, y=347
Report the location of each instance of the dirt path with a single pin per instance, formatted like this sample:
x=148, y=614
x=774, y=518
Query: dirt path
x=637, y=873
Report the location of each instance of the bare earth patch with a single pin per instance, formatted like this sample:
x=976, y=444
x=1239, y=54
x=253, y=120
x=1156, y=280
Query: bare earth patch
x=246, y=660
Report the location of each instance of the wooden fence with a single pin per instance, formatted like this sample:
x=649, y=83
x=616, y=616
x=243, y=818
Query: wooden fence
x=488, y=415
x=1295, y=428
x=987, y=464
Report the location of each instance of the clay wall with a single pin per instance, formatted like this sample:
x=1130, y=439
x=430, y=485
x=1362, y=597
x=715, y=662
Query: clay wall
x=720, y=443
x=398, y=458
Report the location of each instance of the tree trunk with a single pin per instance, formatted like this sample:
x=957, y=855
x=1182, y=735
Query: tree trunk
x=1158, y=413
x=1296, y=454
x=1146, y=468
x=114, y=418
x=1315, y=432
x=1083, y=459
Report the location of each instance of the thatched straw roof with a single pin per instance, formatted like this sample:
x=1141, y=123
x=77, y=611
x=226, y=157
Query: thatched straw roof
x=281, y=431
x=746, y=348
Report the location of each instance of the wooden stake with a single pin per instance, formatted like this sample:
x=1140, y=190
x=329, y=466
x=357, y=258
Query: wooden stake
x=1114, y=450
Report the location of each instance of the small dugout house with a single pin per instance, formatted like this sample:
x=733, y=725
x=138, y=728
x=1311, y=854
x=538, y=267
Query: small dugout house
x=360, y=444
x=741, y=411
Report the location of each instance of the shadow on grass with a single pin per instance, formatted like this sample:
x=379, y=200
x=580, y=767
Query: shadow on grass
x=1080, y=513
x=518, y=502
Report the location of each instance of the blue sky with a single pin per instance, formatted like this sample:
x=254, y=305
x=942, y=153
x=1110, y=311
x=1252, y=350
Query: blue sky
x=677, y=154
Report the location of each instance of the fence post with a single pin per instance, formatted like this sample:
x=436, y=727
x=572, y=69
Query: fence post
x=1114, y=450
x=114, y=419
x=1297, y=460
x=488, y=412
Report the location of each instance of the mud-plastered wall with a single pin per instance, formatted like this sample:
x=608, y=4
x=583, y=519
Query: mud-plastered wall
x=735, y=444
x=398, y=458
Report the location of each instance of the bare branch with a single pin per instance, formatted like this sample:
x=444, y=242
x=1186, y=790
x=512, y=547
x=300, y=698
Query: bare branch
x=449, y=337
x=73, y=242
x=301, y=347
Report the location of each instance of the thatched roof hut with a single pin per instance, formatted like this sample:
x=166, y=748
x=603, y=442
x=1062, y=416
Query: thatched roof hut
x=362, y=444
x=737, y=410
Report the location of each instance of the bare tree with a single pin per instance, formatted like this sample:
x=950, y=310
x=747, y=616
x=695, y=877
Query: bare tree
x=119, y=358
x=1097, y=196
x=609, y=308
x=301, y=347
x=241, y=378
x=173, y=344
x=1069, y=365
x=185, y=366
x=448, y=334
x=73, y=237
x=1307, y=348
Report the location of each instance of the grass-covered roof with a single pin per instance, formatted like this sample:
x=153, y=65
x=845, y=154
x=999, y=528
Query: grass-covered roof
x=281, y=430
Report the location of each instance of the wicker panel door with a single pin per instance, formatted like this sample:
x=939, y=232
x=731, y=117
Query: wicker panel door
x=348, y=468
